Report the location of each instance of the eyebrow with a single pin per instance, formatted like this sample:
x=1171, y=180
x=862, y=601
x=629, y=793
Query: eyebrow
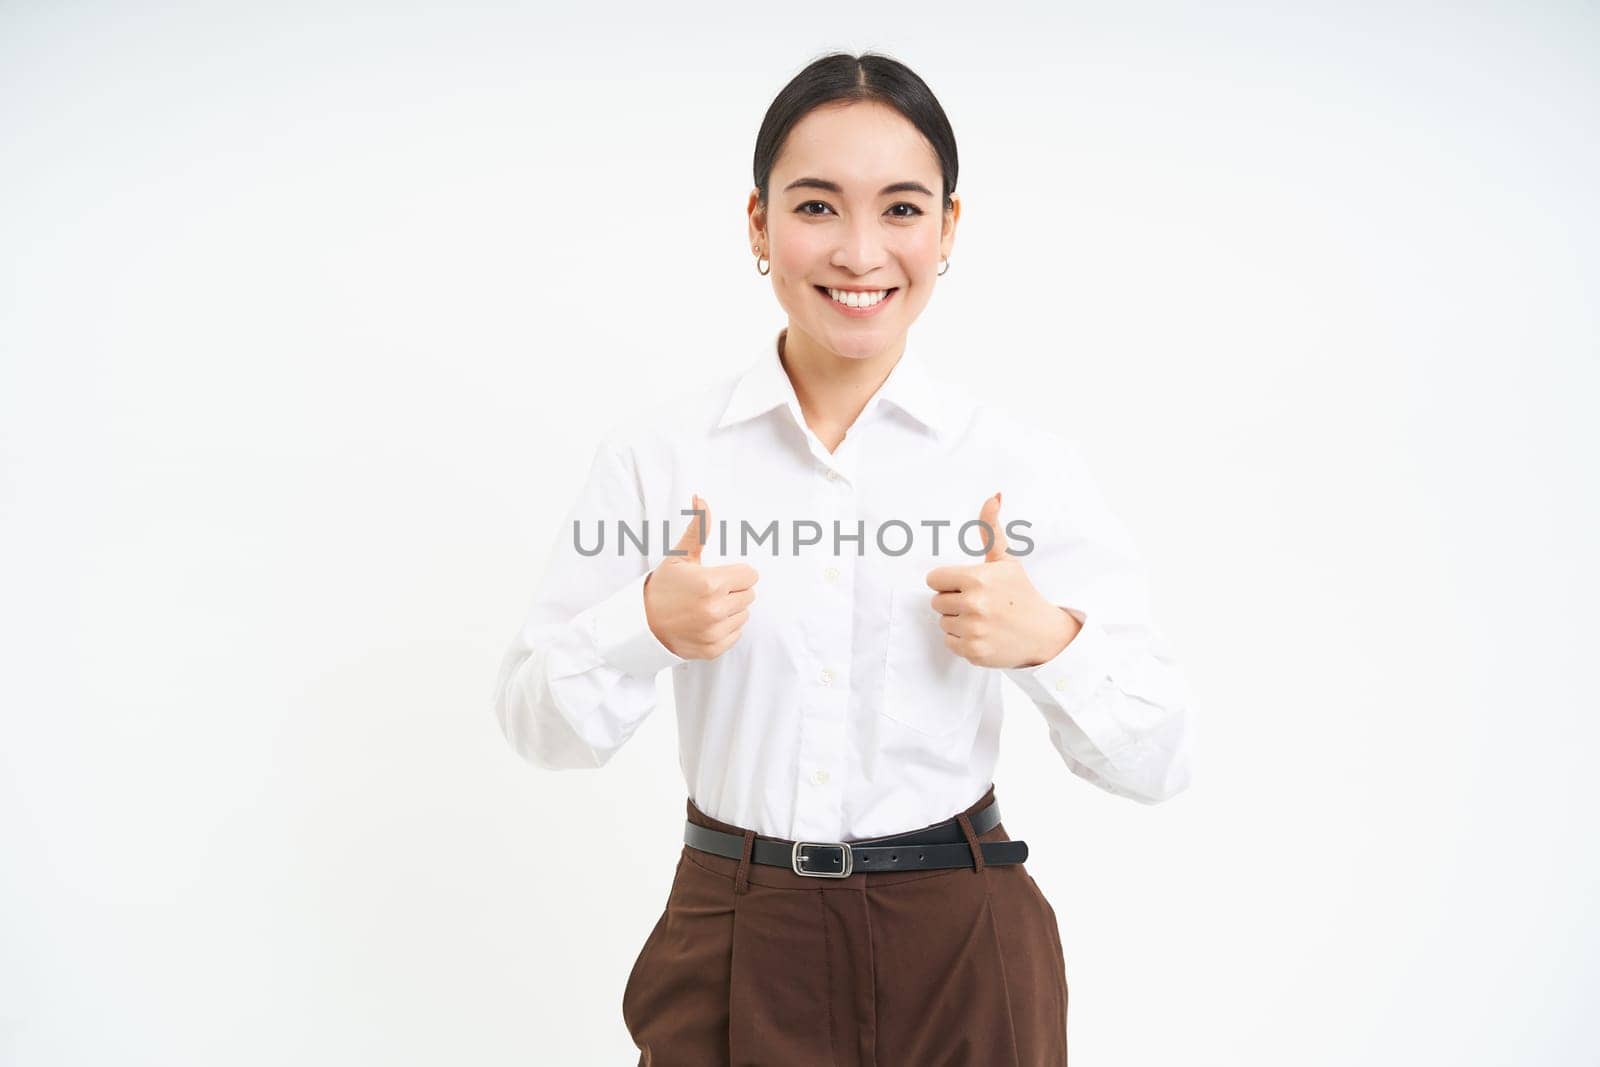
x=835, y=187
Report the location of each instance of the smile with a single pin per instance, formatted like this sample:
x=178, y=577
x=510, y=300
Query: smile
x=854, y=304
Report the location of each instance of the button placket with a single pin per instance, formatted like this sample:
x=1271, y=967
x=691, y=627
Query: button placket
x=828, y=644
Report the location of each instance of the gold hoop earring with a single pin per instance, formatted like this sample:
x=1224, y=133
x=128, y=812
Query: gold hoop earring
x=759, y=258
x=946, y=262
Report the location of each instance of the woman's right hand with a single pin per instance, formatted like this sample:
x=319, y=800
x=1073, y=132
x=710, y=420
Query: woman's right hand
x=698, y=612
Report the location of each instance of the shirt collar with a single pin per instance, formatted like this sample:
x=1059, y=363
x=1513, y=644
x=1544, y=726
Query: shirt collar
x=765, y=385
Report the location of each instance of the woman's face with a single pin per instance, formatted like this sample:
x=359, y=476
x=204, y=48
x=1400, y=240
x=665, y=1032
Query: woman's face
x=854, y=203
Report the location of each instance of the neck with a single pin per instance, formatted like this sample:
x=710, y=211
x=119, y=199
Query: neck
x=832, y=389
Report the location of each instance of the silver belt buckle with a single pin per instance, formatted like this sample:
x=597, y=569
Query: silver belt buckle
x=847, y=860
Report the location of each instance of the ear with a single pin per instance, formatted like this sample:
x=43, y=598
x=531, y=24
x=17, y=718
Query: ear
x=757, y=216
x=947, y=233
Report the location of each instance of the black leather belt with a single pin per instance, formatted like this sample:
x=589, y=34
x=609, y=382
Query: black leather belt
x=936, y=848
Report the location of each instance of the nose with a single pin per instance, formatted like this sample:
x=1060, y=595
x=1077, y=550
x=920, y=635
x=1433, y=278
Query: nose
x=860, y=249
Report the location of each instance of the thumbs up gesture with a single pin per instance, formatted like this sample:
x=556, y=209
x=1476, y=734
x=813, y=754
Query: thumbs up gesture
x=698, y=612
x=990, y=612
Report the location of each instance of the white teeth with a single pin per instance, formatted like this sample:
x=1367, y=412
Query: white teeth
x=858, y=300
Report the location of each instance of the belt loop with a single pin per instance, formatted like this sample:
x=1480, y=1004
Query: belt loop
x=741, y=880
x=972, y=841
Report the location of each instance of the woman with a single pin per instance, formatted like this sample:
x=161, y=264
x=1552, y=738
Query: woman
x=846, y=893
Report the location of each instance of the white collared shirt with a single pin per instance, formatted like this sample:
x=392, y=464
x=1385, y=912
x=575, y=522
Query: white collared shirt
x=840, y=713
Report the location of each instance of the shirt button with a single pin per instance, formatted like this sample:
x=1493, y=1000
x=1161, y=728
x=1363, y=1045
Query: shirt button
x=1061, y=684
x=827, y=676
x=833, y=475
x=819, y=777
x=832, y=574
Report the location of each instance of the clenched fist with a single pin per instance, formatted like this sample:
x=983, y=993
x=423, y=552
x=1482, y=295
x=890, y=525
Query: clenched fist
x=698, y=612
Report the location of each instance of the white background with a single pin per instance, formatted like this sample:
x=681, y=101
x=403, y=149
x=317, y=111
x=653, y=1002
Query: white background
x=310, y=317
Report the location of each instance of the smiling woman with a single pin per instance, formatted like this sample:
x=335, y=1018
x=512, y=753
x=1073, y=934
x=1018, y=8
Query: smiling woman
x=847, y=892
x=855, y=149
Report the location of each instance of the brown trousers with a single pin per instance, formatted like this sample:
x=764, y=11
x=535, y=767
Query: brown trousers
x=751, y=964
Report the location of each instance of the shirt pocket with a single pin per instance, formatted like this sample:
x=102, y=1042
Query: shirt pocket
x=927, y=688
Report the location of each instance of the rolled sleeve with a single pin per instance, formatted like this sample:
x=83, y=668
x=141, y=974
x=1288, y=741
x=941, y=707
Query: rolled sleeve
x=1114, y=698
x=1071, y=681
x=622, y=634
x=579, y=677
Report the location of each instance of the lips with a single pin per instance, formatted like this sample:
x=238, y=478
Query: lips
x=861, y=312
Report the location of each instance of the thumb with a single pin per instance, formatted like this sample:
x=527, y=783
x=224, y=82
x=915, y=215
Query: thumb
x=991, y=515
x=694, y=534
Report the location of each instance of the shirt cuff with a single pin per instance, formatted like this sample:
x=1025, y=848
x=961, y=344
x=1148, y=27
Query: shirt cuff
x=622, y=633
x=1071, y=679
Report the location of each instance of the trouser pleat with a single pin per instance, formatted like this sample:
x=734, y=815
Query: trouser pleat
x=751, y=964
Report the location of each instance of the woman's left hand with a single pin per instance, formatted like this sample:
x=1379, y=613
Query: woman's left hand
x=990, y=612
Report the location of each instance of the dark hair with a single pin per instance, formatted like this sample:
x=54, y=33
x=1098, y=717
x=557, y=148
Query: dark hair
x=841, y=76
